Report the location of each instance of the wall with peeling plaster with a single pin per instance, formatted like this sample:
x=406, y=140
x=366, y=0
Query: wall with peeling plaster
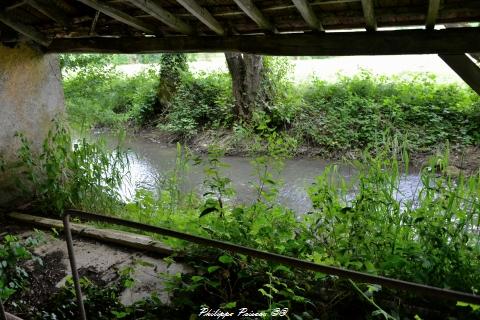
x=31, y=96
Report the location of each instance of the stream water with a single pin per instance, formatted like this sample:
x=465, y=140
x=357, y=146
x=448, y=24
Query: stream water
x=150, y=162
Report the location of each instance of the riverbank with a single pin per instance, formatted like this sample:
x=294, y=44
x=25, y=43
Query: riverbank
x=462, y=158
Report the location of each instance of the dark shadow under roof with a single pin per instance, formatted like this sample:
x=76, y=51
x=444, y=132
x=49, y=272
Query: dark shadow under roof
x=287, y=27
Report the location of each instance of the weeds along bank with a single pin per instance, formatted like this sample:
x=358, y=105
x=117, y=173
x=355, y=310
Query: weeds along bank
x=431, y=239
x=331, y=119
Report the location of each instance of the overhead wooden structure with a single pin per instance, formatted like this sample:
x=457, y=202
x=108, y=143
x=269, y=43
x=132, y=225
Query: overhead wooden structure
x=295, y=27
x=275, y=27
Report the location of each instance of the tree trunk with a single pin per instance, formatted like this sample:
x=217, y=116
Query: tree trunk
x=247, y=75
x=171, y=67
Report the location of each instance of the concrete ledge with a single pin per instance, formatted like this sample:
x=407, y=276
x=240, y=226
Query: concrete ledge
x=122, y=238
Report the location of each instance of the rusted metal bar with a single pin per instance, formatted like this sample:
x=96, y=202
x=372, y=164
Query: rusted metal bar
x=73, y=266
x=3, y=316
x=294, y=262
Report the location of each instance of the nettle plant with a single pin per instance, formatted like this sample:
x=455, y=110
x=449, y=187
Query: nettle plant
x=72, y=174
x=13, y=252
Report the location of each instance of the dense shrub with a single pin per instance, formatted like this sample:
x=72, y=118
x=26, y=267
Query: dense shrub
x=201, y=101
x=355, y=112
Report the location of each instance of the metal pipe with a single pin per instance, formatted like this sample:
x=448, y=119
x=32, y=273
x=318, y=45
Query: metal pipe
x=73, y=266
x=294, y=262
x=3, y=315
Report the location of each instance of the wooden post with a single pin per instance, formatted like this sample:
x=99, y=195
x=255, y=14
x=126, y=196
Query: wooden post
x=465, y=68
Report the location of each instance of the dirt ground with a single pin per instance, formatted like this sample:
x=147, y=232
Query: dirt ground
x=97, y=261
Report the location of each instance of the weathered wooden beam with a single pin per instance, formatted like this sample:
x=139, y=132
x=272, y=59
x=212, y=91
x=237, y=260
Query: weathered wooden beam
x=153, y=9
x=203, y=15
x=448, y=41
x=303, y=6
x=465, y=68
x=433, y=8
x=28, y=31
x=119, y=15
x=255, y=14
x=122, y=238
x=50, y=10
x=369, y=15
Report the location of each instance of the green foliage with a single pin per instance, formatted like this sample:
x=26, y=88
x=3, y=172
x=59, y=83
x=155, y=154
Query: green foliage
x=355, y=112
x=359, y=225
x=101, y=96
x=101, y=302
x=82, y=62
x=71, y=174
x=201, y=101
x=172, y=66
x=13, y=253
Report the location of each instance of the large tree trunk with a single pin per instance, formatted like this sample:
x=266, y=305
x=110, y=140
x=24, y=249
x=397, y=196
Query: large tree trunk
x=247, y=75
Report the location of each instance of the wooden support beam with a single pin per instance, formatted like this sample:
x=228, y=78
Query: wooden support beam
x=303, y=6
x=448, y=41
x=465, y=68
x=119, y=15
x=256, y=15
x=122, y=238
x=153, y=9
x=369, y=15
x=50, y=10
x=433, y=8
x=26, y=30
x=203, y=15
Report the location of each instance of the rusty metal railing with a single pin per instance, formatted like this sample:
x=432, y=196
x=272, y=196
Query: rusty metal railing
x=293, y=262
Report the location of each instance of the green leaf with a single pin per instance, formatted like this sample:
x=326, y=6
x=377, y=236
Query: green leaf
x=226, y=259
x=474, y=307
x=213, y=269
x=229, y=305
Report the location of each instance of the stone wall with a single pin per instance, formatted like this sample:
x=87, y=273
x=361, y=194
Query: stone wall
x=31, y=95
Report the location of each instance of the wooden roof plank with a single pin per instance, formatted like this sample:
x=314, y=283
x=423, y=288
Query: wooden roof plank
x=303, y=6
x=369, y=15
x=448, y=41
x=119, y=15
x=203, y=15
x=26, y=30
x=164, y=16
x=465, y=68
x=432, y=14
x=255, y=14
x=50, y=10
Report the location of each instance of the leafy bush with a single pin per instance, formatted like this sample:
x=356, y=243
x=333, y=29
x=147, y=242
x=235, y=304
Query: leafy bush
x=355, y=112
x=72, y=174
x=201, y=101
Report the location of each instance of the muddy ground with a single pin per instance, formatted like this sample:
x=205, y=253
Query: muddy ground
x=97, y=261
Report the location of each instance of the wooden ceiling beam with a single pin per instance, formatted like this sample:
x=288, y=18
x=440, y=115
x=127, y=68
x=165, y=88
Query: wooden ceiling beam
x=432, y=14
x=119, y=15
x=255, y=14
x=153, y=9
x=448, y=41
x=369, y=15
x=50, y=10
x=203, y=15
x=465, y=68
x=28, y=31
x=303, y=6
